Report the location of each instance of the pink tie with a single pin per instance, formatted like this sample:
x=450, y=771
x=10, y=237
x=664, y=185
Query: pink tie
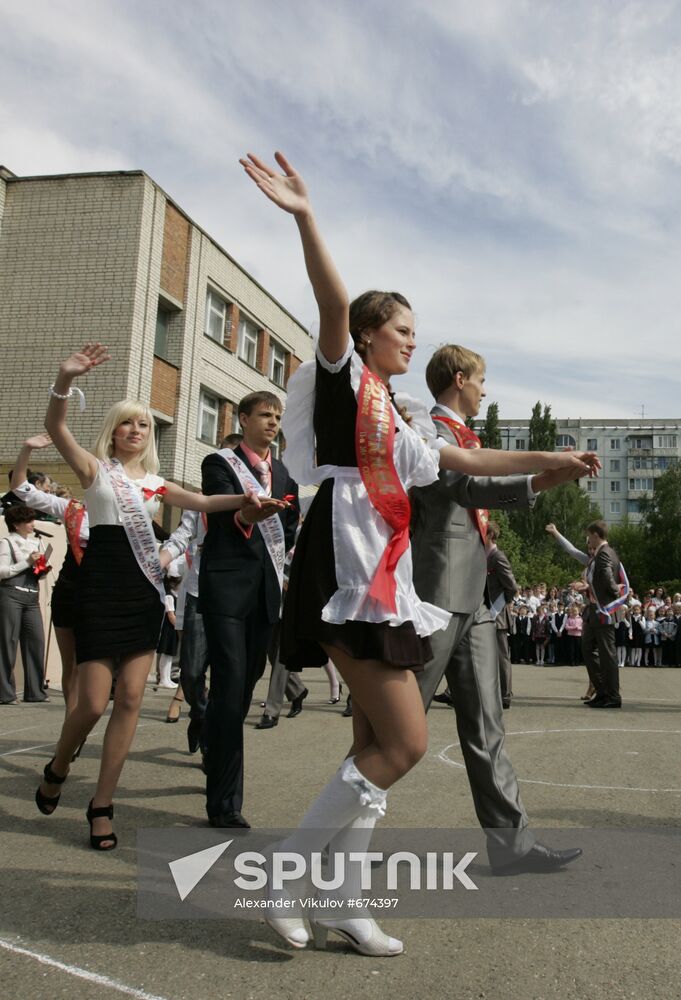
x=262, y=470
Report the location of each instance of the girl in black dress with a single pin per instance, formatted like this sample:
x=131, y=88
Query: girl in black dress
x=351, y=596
x=119, y=595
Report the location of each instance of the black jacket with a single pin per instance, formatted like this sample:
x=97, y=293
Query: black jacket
x=233, y=567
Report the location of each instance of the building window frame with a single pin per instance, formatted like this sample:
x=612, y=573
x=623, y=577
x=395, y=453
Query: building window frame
x=615, y=444
x=615, y=507
x=208, y=412
x=615, y=486
x=277, y=371
x=592, y=444
x=520, y=444
x=247, y=344
x=217, y=316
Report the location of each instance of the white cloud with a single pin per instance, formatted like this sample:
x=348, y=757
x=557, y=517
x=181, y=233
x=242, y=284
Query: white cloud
x=510, y=166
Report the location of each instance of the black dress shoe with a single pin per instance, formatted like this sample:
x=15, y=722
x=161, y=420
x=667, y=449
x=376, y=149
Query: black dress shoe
x=506, y=703
x=596, y=700
x=267, y=722
x=444, y=699
x=539, y=858
x=347, y=711
x=605, y=703
x=297, y=705
x=232, y=819
x=194, y=731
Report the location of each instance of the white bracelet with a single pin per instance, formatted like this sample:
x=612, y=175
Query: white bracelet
x=73, y=390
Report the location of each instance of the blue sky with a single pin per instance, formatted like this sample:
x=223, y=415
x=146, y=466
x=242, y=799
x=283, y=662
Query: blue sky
x=512, y=166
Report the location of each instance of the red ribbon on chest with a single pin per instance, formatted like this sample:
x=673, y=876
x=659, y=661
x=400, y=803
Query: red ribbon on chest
x=466, y=438
x=374, y=442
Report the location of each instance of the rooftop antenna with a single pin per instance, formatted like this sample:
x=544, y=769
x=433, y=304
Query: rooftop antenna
x=643, y=411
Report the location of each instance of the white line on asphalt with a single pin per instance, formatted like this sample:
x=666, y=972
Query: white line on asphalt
x=442, y=756
x=38, y=746
x=74, y=970
x=22, y=730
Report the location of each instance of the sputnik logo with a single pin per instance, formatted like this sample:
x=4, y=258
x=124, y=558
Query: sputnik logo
x=187, y=872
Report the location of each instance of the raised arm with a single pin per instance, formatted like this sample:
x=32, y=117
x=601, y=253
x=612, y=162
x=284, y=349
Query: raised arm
x=81, y=461
x=288, y=191
x=490, y=462
x=566, y=546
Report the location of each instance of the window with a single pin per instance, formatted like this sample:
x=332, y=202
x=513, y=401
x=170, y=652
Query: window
x=615, y=444
x=248, y=341
x=666, y=441
x=277, y=363
x=591, y=485
x=209, y=408
x=614, y=465
x=615, y=486
x=633, y=507
x=216, y=316
x=236, y=425
x=275, y=447
x=665, y=461
x=615, y=507
x=592, y=444
x=643, y=463
x=163, y=318
x=565, y=441
x=641, y=442
x=520, y=444
x=641, y=484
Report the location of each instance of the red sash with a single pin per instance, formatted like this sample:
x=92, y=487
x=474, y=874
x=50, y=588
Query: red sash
x=374, y=441
x=466, y=438
x=73, y=520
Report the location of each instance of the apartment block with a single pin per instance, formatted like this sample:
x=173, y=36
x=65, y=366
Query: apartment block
x=111, y=257
x=633, y=453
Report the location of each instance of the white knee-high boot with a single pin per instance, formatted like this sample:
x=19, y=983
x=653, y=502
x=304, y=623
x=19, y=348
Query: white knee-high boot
x=165, y=663
x=347, y=799
x=363, y=934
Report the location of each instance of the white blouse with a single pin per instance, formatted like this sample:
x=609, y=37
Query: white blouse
x=50, y=504
x=360, y=534
x=22, y=548
x=100, y=498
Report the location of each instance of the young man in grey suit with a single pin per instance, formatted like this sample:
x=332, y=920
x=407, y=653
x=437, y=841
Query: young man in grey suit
x=450, y=570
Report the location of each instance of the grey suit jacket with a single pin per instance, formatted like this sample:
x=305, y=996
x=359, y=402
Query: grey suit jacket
x=500, y=580
x=450, y=563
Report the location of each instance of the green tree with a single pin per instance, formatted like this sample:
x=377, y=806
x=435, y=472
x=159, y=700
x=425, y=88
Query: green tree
x=490, y=434
x=630, y=541
x=661, y=518
x=542, y=429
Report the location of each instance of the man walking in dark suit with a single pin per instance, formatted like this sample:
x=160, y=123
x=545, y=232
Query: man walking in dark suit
x=450, y=570
x=240, y=593
x=605, y=589
x=501, y=589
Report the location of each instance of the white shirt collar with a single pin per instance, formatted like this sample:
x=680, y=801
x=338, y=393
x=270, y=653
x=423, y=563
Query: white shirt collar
x=451, y=413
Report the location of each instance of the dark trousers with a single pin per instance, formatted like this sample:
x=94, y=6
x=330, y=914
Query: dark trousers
x=600, y=655
x=237, y=650
x=21, y=624
x=574, y=647
x=505, y=672
x=283, y=683
x=194, y=660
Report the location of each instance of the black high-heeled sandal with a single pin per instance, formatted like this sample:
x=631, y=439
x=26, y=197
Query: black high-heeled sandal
x=97, y=840
x=169, y=717
x=334, y=701
x=48, y=803
x=77, y=753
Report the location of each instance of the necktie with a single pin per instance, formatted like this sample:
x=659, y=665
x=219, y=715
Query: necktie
x=262, y=471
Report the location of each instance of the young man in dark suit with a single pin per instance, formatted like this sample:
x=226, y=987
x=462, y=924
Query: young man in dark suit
x=598, y=634
x=501, y=589
x=240, y=593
